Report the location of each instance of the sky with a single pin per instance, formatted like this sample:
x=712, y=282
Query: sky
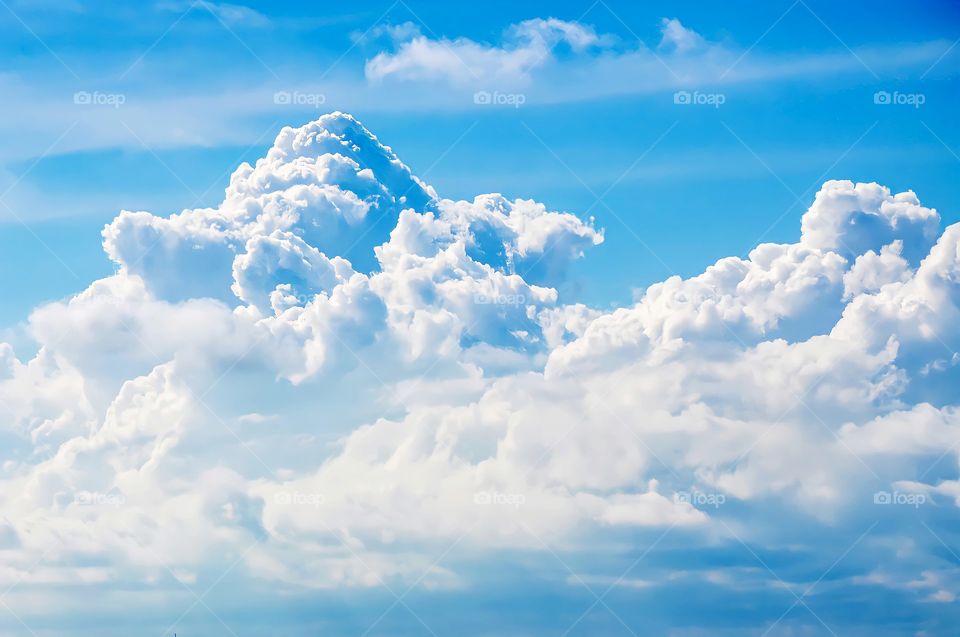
x=515, y=318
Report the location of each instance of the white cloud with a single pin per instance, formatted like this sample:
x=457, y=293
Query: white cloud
x=872, y=271
x=549, y=60
x=677, y=37
x=527, y=46
x=851, y=220
x=553, y=61
x=426, y=381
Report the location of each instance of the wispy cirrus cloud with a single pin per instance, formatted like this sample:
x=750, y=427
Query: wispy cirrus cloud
x=548, y=60
x=235, y=15
x=526, y=47
x=548, y=55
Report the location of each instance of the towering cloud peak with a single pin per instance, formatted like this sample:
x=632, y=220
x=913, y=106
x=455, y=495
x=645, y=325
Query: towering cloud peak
x=851, y=219
x=334, y=150
x=330, y=184
x=330, y=223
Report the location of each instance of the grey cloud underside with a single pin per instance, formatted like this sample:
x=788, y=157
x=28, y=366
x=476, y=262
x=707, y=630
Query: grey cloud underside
x=337, y=330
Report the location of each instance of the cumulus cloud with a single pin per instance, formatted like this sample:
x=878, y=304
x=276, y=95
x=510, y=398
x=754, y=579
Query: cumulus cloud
x=427, y=381
x=851, y=221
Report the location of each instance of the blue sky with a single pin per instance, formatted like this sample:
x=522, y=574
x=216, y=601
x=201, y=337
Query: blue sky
x=694, y=373
x=183, y=73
